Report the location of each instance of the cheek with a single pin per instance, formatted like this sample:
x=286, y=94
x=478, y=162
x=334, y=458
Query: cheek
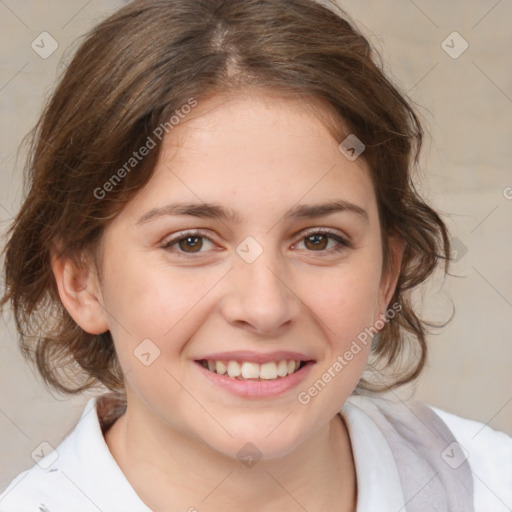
x=345, y=298
x=154, y=302
x=150, y=296
x=154, y=312
x=345, y=305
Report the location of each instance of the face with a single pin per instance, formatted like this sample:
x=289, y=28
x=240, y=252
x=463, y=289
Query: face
x=235, y=255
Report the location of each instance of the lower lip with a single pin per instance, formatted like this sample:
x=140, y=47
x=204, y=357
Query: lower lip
x=257, y=388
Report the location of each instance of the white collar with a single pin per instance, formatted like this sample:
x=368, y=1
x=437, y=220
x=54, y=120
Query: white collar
x=93, y=466
x=378, y=482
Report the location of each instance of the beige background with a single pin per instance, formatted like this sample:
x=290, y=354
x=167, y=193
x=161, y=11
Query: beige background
x=467, y=105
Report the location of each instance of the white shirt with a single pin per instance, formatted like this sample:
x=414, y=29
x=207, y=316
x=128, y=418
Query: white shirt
x=82, y=476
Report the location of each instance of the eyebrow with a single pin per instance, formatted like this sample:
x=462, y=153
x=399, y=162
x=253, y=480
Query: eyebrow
x=219, y=212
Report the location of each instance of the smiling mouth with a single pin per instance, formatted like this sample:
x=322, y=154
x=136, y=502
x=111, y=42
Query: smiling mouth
x=246, y=370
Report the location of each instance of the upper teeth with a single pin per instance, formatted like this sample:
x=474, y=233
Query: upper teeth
x=249, y=370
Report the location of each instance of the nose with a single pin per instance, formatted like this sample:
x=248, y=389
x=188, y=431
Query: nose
x=260, y=296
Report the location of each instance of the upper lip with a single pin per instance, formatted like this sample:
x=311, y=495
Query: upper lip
x=255, y=357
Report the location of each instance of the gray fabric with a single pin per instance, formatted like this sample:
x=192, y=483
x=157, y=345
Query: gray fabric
x=434, y=472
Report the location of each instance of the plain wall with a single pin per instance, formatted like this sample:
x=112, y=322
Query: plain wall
x=466, y=103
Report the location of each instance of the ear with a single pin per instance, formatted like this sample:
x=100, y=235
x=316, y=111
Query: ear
x=390, y=275
x=80, y=292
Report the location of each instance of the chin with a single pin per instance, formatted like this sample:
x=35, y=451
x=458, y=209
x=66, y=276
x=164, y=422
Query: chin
x=256, y=443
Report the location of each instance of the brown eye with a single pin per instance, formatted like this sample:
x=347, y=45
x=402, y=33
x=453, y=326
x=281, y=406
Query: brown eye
x=316, y=242
x=191, y=244
x=324, y=241
x=188, y=243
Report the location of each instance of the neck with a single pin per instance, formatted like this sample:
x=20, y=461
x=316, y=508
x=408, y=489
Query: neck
x=166, y=467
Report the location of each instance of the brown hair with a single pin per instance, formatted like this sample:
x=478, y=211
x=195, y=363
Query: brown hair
x=127, y=78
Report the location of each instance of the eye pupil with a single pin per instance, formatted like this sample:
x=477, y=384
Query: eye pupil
x=318, y=240
x=190, y=242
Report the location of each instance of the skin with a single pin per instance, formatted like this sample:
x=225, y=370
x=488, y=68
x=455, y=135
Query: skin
x=177, y=443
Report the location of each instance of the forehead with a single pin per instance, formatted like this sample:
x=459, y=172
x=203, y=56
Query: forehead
x=249, y=150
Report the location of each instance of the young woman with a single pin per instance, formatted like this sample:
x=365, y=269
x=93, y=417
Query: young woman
x=221, y=230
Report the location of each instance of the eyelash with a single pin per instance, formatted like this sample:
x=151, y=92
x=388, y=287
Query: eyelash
x=342, y=242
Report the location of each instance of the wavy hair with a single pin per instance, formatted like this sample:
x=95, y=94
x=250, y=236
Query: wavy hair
x=128, y=76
